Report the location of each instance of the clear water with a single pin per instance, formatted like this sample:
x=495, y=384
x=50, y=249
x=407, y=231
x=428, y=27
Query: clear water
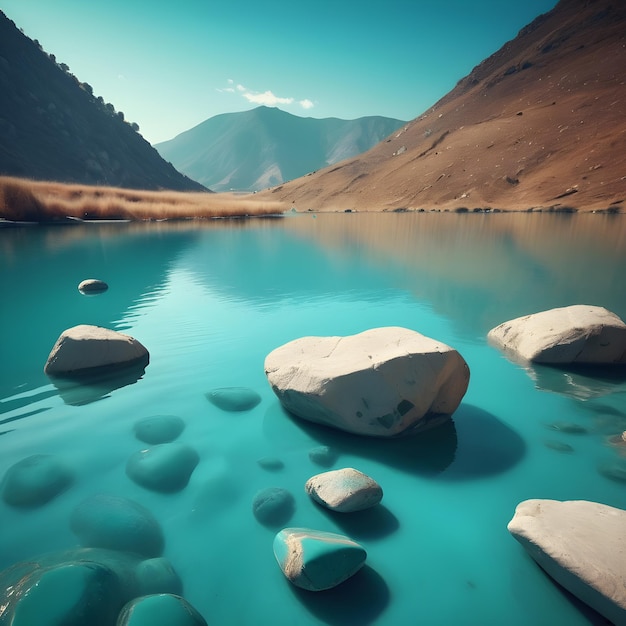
x=210, y=301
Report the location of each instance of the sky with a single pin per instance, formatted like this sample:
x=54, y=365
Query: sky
x=168, y=65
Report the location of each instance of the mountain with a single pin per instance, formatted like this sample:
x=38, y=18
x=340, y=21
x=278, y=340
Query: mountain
x=266, y=146
x=52, y=127
x=540, y=123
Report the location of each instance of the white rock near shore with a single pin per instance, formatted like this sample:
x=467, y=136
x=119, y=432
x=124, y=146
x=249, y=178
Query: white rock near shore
x=86, y=347
x=582, y=545
x=581, y=334
x=382, y=382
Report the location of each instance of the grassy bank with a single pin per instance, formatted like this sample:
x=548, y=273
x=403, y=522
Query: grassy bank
x=37, y=201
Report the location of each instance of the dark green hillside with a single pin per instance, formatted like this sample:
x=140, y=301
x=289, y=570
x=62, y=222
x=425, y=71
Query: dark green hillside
x=52, y=127
x=264, y=147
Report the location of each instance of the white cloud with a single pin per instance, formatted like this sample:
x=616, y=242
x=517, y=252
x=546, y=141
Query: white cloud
x=267, y=98
x=306, y=104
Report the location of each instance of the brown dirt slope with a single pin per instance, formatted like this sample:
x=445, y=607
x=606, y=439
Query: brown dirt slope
x=539, y=124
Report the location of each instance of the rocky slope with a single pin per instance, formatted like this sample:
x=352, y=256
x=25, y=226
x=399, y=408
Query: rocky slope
x=52, y=127
x=264, y=147
x=539, y=124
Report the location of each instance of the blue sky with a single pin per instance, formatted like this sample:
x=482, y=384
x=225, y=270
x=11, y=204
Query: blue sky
x=171, y=64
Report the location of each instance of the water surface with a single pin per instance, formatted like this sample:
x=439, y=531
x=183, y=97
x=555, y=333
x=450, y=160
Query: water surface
x=210, y=301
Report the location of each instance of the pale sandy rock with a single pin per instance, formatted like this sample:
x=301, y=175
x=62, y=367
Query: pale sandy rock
x=582, y=545
x=344, y=490
x=580, y=333
x=86, y=347
x=382, y=382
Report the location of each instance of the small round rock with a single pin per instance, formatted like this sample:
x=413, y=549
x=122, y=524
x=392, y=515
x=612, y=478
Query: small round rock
x=159, y=428
x=234, y=399
x=344, y=490
x=273, y=506
x=92, y=285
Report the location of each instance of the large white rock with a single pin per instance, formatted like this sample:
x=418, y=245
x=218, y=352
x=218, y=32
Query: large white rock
x=382, y=382
x=581, y=333
x=86, y=347
x=582, y=545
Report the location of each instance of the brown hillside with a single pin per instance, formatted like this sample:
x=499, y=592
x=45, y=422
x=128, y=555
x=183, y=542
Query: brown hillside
x=539, y=124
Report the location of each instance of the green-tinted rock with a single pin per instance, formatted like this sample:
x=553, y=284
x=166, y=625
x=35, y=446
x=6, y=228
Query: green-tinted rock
x=115, y=523
x=323, y=455
x=273, y=506
x=234, y=398
x=160, y=610
x=156, y=576
x=35, y=480
x=317, y=560
x=159, y=428
x=165, y=467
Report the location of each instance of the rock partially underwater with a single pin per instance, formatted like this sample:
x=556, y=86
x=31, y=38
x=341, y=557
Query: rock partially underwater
x=234, y=399
x=92, y=286
x=344, y=490
x=578, y=334
x=382, y=382
x=581, y=545
x=315, y=560
x=84, y=349
x=164, y=609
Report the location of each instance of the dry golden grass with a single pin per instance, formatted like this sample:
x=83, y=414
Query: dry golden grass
x=37, y=201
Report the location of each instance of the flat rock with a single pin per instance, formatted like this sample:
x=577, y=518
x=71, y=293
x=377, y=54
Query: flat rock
x=579, y=334
x=164, y=467
x=344, y=490
x=35, y=480
x=234, y=398
x=116, y=523
x=92, y=285
x=163, y=609
x=582, y=546
x=316, y=560
x=382, y=382
x=85, y=348
x=159, y=428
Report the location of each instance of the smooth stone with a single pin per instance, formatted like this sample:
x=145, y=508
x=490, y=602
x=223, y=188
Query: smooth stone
x=59, y=595
x=159, y=428
x=271, y=464
x=344, y=490
x=156, y=575
x=316, y=560
x=273, y=506
x=324, y=456
x=234, y=398
x=165, y=467
x=160, y=610
x=582, y=334
x=92, y=285
x=35, y=480
x=382, y=382
x=581, y=545
x=85, y=348
x=115, y=523
x=79, y=586
x=559, y=446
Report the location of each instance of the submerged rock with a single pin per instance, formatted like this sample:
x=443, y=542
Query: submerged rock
x=344, y=490
x=75, y=587
x=165, y=467
x=271, y=464
x=581, y=334
x=273, y=506
x=559, y=446
x=92, y=285
x=164, y=609
x=581, y=545
x=317, y=560
x=115, y=523
x=35, y=480
x=382, y=382
x=83, y=348
x=614, y=470
x=324, y=456
x=234, y=398
x=571, y=428
x=159, y=428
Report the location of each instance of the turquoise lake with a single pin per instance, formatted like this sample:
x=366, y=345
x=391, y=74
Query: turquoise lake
x=211, y=299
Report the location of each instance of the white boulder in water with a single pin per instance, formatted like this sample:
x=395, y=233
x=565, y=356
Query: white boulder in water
x=85, y=348
x=579, y=334
x=382, y=382
x=344, y=490
x=582, y=545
